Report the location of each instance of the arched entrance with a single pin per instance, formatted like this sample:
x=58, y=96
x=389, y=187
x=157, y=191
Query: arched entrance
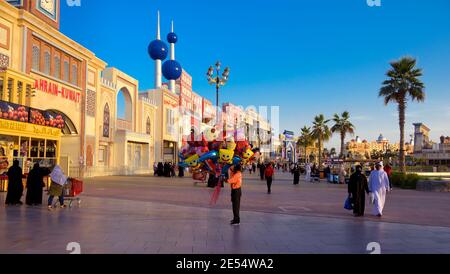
x=124, y=109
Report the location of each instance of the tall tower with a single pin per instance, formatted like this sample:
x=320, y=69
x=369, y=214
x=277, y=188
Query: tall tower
x=171, y=68
x=158, y=51
x=172, y=39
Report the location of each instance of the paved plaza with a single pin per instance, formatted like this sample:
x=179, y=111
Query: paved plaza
x=170, y=216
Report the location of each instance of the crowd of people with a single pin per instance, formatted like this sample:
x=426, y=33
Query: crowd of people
x=35, y=185
x=359, y=186
x=167, y=169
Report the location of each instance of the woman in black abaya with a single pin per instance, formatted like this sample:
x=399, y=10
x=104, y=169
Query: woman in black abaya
x=35, y=184
x=15, y=185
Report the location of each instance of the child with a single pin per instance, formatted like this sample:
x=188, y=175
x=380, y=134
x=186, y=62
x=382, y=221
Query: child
x=235, y=181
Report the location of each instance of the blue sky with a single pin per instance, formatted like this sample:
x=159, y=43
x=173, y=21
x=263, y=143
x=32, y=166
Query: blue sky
x=308, y=57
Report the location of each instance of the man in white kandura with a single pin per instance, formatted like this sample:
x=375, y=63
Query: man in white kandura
x=308, y=172
x=379, y=186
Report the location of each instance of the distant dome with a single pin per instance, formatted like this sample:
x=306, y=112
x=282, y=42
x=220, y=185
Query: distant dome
x=158, y=50
x=172, y=38
x=382, y=138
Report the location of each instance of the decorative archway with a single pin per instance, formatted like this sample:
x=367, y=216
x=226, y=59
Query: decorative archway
x=124, y=104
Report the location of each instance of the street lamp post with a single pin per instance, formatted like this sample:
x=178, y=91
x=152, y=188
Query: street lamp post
x=218, y=81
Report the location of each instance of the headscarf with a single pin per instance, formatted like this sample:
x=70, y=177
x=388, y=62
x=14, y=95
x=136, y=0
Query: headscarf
x=58, y=176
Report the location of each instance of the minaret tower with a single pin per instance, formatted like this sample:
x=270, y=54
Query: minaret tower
x=172, y=39
x=171, y=69
x=158, y=51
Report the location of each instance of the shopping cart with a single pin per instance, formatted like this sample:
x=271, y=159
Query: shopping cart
x=72, y=190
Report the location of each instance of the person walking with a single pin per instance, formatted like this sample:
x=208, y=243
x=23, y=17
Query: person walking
x=296, y=175
x=35, y=185
x=56, y=188
x=160, y=171
x=180, y=171
x=308, y=172
x=357, y=190
x=379, y=186
x=262, y=170
x=254, y=167
x=235, y=181
x=268, y=173
x=15, y=185
x=155, y=169
x=388, y=170
x=342, y=175
x=172, y=169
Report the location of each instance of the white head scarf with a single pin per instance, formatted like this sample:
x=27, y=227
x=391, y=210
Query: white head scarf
x=58, y=176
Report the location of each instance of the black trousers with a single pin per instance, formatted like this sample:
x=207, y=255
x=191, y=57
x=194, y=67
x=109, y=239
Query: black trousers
x=236, y=201
x=269, y=184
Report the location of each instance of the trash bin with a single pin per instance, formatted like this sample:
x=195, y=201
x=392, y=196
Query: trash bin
x=435, y=169
x=322, y=175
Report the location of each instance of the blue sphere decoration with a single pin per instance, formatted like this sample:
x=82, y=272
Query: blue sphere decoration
x=158, y=50
x=172, y=38
x=171, y=70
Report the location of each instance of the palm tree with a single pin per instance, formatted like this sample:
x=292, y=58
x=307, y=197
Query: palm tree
x=305, y=140
x=403, y=83
x=343, y=126
x=321, y=132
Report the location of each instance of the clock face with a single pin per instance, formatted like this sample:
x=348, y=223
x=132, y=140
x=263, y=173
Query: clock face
x=48, y=6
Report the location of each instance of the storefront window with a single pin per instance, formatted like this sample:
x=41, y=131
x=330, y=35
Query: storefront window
x=19, y=91
x=24, y=145
x=41, y=149
x=47, y=62
x=36, y=58
x=66, y=71
x=34, y=152
x=10, y=90
x=57, y=69
x=74, y=75
x=106, y=119
x=51, y=149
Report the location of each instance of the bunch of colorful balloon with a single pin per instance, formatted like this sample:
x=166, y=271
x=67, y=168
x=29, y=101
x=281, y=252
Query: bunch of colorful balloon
x=216, y=156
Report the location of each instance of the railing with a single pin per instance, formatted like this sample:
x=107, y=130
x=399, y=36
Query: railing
x=148, y=100
x=124, y=125
x=109, y=84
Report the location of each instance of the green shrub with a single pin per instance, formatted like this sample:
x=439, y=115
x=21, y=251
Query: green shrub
x=411, y=181
x=397, y=179
x=405, y=181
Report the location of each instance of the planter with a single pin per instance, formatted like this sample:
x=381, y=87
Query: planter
x=434, y=186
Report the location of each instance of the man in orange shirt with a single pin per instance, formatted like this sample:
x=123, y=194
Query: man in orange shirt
x=235, y=181
x=269, y=177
